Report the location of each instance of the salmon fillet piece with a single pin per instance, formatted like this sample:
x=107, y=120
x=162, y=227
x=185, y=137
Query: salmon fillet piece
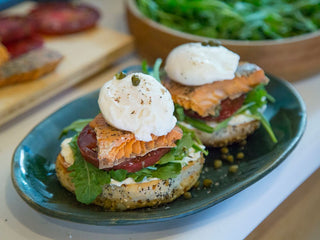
x=205, y=98
x=116, y=146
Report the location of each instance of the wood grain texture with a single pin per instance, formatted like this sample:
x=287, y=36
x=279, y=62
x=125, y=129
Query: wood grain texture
x=298, y=217
x=84, y=54
x=291, y=59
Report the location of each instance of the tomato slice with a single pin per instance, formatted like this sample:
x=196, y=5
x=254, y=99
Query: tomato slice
x=59, y=18
x=13, y=28
x=87, y=143
x=25, y=45
x=227, y=108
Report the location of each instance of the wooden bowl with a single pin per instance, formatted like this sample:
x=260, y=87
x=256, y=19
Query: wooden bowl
x=291, y=58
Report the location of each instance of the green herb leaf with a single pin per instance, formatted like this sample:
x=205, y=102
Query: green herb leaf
x=144, y=67
x=199, y=124
x=155, y=72
x=88, y=179
x=259, y=97
x=170, y=170
x=156, y=69
x=235, y=19
x=118, y=175
x=76, y=126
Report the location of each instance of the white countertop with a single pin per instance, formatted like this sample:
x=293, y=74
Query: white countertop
x=233, y=218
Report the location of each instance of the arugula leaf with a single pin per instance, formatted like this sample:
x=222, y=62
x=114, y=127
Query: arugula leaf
x=259, y=96
x=170, y=170
x=76, y=126
x=144, y=67
x=118, y=175
x=196, y=123
x=155, y=71
x=235, y=19
x=88, y=179
x=179, y=112
x=199, y=124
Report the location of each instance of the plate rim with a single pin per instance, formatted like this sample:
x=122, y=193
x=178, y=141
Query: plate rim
x=69, y=216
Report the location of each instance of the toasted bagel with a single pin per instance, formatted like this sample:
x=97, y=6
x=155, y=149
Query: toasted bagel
x=137, y=195
x=228, y=135
x=4, y=55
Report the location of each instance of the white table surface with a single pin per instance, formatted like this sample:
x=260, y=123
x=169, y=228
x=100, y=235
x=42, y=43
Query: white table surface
x=233, y=218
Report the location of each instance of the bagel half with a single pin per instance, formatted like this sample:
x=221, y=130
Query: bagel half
x=137, y=195
x=230, y=134
x=4, y=55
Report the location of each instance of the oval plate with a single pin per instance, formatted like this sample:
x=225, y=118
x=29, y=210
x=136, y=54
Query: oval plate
x=33, y=163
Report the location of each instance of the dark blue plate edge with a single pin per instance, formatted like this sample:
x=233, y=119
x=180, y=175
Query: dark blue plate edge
x=247, y=183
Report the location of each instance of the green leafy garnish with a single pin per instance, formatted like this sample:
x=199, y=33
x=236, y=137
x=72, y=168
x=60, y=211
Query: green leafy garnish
x=235, y=19
x=144, y=67
x=89, y=180
x=155, y=71
x=76, y=126
x=260, y=96
x=199, y=124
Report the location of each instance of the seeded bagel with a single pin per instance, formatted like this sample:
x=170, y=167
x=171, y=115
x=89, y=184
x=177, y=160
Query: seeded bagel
x=138, y=195
x=228, y=135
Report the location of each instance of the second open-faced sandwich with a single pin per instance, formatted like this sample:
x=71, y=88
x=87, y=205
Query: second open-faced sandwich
x=132, y=154
x=221, y=99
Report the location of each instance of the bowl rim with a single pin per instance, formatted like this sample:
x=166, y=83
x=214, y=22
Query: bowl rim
x=132, y=7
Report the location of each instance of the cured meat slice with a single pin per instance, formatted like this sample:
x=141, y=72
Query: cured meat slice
x=13, y=28
x=25, y=45
x=63, y=18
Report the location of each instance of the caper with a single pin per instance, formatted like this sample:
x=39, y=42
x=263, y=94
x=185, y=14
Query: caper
x=120, y=75
x=240, y=155
x=135, y=80
x=224, y=150
x=233, y=168
x=214, y=43
x=230, y=159
x=187, y=195
x=243, y=142
x=204, y=44
x=207, y=183
x=217, y=163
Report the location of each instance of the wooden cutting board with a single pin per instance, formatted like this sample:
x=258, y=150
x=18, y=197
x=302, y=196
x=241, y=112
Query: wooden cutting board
x=84, y=54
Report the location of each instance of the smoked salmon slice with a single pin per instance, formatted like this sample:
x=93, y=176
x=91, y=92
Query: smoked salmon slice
x=205, y=98
x=116, y=146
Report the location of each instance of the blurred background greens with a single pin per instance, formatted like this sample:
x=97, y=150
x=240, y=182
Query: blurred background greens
x=232, y=19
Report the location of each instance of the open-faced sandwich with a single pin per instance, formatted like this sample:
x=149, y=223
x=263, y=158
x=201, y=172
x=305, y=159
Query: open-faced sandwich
x=132, y=154
x=221, y=99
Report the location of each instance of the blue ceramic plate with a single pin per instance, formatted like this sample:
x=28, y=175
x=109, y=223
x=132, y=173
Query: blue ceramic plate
x=33, y=163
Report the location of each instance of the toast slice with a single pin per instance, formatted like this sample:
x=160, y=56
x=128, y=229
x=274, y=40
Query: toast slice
x=4, y=55
x=29, y=66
